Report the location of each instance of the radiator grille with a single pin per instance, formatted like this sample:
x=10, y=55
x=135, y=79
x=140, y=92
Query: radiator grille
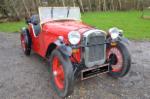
x=96, y=52
x=95, y=49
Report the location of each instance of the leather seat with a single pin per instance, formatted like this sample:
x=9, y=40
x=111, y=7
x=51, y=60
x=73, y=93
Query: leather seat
x=35, y=19
x=36, y=24
x=37, y=29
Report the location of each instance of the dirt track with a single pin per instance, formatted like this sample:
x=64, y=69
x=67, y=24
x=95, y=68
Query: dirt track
x=24, y=77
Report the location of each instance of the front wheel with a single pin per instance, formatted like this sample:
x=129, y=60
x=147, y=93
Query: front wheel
x=120, y=60
x=61, y=74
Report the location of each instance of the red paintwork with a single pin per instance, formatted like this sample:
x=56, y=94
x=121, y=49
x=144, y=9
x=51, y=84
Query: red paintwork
x=23, y=42
x=118, y=66
x=50, y=32
x=58, y=73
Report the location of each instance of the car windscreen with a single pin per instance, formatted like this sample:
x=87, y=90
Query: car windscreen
x=59, y=13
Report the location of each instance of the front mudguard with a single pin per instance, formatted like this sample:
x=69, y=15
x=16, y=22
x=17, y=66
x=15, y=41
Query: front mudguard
x=121, y=39
x=63, y=48
x=124, y=40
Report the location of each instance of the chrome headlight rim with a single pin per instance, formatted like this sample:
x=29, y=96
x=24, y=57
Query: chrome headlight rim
x=74, y=37
x=115, y=32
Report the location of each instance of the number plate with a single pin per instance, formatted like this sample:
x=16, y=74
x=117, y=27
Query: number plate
x=94, y=71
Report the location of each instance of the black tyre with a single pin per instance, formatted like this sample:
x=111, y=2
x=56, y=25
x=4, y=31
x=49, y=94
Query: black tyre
x=120, y=60
x=25, y=42
x=61, y=74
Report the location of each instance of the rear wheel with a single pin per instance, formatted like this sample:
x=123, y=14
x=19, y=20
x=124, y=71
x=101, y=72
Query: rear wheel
x=119, y=59
x=25, y=42
x=61, y=74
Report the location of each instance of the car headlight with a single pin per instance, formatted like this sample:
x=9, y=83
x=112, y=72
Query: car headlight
x=114, y=32
x=74, y=37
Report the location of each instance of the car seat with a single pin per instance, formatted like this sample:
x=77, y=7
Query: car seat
x=36, y=24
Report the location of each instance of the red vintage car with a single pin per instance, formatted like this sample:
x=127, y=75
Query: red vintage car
x=74, y=50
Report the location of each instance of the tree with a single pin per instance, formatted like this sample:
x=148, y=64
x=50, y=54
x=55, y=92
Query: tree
x=89, y=1
x=17, y=9
x=74, y=4
x=63, y=2
x=26, y=8
x=104, y=5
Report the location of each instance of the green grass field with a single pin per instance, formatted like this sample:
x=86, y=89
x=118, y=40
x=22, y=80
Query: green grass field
x=131, y=22
x=12, y=26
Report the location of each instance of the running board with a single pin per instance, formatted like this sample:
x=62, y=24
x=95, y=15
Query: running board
x=94, y=71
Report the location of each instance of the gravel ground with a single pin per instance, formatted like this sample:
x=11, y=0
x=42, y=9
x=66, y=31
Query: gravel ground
x=24, y=77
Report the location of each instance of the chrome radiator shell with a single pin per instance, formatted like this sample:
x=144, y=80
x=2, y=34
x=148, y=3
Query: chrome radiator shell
x=94, y=50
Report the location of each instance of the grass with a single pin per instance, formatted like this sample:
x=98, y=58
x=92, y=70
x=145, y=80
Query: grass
x=11, y=26
x=131, y=22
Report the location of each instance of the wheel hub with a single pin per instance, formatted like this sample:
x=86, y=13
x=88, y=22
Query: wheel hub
x=55, y=73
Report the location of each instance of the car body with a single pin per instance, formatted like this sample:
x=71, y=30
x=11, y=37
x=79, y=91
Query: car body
x=74, y=49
